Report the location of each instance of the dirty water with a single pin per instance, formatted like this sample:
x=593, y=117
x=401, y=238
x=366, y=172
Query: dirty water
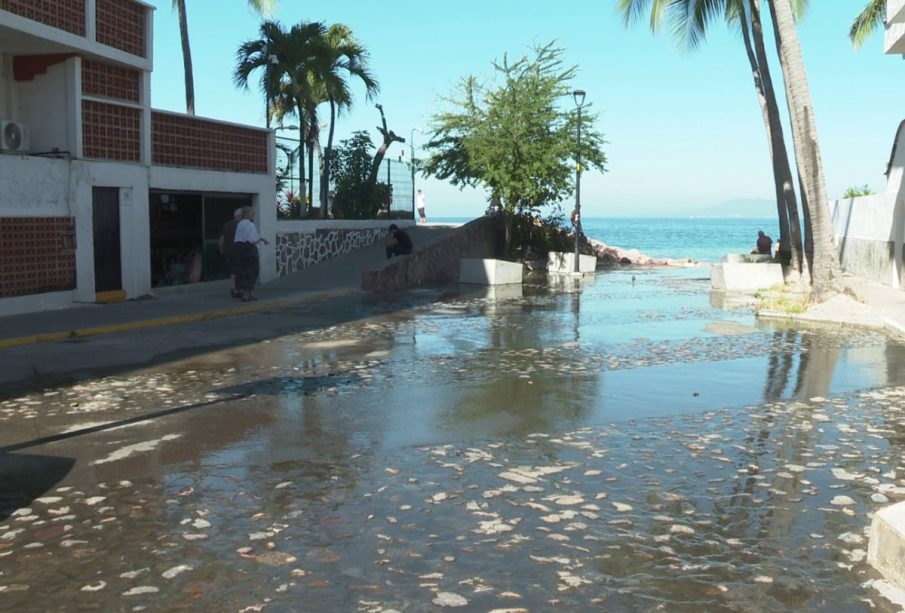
x=620, y=444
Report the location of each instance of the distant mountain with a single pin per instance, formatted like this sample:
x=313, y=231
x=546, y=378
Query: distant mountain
x=746, y=208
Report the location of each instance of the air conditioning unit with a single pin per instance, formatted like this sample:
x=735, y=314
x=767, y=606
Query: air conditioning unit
x=13, y=136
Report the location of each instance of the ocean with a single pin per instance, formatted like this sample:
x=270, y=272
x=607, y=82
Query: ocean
x=700, y=239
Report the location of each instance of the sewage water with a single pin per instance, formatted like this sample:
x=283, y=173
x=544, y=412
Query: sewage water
x=617, y=444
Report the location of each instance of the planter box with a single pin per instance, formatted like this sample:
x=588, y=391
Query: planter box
x=746, y=258
x=745, y=277
x=559, y=262
x=489, y=272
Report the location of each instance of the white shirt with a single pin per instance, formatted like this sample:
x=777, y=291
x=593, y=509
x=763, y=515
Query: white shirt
x=246, y=232
x=421, y=200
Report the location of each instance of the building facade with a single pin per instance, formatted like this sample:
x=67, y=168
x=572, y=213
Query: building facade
x=104, y=198
x=895, y=27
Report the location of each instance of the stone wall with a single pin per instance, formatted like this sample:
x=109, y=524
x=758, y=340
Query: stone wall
x=438, y=262
x=297, y=250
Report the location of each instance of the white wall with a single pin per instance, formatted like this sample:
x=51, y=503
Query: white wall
x=6, y=86
x=46, y=105
x=33, y=186
x=134, y=223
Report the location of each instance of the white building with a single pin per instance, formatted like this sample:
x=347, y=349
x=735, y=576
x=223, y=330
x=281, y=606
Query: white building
x=102, y=197
x=870, y=230
x=895, y=26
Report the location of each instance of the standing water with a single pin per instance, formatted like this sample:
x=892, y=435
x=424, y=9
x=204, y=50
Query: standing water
x=613, y=444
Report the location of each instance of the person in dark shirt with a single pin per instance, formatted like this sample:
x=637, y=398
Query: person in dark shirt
x=764, y=243
x=399, y=242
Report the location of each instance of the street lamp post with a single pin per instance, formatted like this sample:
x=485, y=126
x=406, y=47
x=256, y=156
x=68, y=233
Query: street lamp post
x=412, y=164
x=578, y=95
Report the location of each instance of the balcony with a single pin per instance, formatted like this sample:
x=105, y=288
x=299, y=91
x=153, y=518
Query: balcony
x=895, y=27
x=29, y=27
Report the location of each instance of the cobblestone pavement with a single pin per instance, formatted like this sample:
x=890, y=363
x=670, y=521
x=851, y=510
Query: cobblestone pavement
x=621, y=446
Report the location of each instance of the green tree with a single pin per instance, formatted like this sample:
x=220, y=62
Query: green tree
x=825, y=258
x=514, y=138
x=872, y=16
x=357, y=196
x=690, y=20
x=261, y=7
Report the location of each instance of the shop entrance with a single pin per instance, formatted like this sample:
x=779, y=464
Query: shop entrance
x=185, y=235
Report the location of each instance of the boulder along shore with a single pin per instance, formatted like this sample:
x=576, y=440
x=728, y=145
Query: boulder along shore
x=612, y=256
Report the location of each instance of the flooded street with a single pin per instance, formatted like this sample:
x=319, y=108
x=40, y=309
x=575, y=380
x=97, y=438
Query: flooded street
x=623, y=445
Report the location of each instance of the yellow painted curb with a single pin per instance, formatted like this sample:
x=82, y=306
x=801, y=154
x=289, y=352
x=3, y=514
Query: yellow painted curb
x=151, y=323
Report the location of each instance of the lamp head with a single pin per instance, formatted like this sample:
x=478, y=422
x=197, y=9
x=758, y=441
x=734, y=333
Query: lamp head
x=578, y=95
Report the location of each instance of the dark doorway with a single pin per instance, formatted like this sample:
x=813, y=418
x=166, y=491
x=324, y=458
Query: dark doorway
x=185, y=235
x=107, y=260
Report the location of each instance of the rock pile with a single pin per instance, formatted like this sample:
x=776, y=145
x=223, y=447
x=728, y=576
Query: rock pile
x=611, y=256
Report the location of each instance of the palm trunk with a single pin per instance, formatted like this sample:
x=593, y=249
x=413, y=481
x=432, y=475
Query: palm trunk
x=311, y=140
x=301, y=118
x=186, y=58
x=782, y=170
x=825, y=267
x=782, y=209
x=328, y=154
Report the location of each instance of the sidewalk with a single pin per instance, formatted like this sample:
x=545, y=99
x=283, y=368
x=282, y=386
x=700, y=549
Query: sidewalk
x=864, y=303
x=188, y=303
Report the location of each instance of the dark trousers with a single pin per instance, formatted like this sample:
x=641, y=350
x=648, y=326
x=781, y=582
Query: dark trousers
x=397, y=250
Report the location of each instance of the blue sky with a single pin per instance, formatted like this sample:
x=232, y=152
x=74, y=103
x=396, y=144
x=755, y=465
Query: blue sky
x=684, y=129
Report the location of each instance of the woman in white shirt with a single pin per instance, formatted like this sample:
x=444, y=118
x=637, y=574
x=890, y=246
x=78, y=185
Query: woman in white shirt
x=245, y=252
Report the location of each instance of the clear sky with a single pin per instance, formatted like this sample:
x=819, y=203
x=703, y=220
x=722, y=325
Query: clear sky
x=685, y=131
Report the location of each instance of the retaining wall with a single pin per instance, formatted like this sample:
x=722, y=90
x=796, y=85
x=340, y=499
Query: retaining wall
x=438, y=262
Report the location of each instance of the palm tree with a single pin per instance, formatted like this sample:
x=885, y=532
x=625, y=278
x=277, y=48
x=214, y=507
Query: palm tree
x=262, y=7
x=825, y=263
x=872, y=16
x=290, y=85
x=689, y=20
x=343, y=57
x=262, y=54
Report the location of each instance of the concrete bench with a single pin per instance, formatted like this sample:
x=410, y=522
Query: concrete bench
x=489, y=272
x=745, y=277
x=561, y=263
x=886, y=548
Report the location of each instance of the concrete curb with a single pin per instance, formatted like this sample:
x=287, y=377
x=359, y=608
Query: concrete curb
x=860, y=322
x=154, y=323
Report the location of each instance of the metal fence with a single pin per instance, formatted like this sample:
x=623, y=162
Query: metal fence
x=394, y=172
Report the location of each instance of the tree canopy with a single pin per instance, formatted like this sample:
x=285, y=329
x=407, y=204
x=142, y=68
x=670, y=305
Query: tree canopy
x=516, y=137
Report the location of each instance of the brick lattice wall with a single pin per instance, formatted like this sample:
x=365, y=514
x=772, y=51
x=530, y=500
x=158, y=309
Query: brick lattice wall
x=197, y=143
x=111, y=132
x=66, y=15
x=121, y=25
x=33, y=258
x=99, y=79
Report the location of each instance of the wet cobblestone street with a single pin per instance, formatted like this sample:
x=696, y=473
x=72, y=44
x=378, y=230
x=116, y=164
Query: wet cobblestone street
x=619, y=446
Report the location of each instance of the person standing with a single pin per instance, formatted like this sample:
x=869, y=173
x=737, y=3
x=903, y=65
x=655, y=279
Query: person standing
x=227, y=247
x=419, y=198
x=245, y=252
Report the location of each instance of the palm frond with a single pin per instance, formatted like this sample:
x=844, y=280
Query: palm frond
x=869, y=19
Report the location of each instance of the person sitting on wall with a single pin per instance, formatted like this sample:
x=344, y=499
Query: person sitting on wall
x=764, y=244
x=398, y=243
